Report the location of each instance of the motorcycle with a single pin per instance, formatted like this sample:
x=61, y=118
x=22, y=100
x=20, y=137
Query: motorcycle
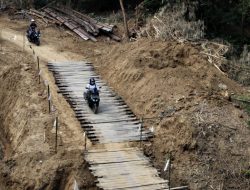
x=93, y=99
x=34, y=36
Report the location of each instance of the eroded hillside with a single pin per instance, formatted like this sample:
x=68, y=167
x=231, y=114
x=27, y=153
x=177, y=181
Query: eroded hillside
x=205, y=132
x=28, y=159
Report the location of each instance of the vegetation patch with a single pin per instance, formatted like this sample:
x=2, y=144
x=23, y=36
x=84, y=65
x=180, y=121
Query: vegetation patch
x=246, y=173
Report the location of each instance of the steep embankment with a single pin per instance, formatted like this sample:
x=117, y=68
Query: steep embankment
x=205, y=133
x=27, y=157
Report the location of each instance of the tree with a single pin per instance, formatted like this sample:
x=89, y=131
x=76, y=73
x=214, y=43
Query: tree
x=244, y=7
x=69, y=3
x=124, y=20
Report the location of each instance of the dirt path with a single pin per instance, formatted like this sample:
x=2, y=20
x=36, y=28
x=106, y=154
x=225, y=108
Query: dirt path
x=71, y=131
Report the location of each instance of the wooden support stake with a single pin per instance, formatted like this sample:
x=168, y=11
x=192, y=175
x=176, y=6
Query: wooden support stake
x=38, y=63
x=56, y=134
x=141, y=132
x=39, y=77
x=23, y=41
x=49, y=98
x=38, y=67
x=169, y=172
x=85, y=141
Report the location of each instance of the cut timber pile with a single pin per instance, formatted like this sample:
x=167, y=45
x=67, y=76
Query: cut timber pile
x=84, y=26
x=42, y=15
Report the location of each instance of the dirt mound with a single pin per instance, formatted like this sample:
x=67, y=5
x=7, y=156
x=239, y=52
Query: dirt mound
x=172, y=72
x=26, y=133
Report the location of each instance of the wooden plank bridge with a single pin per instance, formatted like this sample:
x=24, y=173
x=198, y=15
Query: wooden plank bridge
x=116, y=167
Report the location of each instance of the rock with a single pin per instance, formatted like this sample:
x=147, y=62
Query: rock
x=179, y=99
x=191, y=93
x=236, y=105
x=222, y=86
x=226, y=95
x=27, y=68
x=98, y=52
x=169, y=111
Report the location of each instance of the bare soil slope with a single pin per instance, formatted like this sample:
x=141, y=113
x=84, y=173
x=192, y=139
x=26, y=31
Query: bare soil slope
x=27, y=157
x=204, y=131
x=206, y=134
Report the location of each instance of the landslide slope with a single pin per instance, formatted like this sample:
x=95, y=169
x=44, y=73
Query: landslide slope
x=205, y=132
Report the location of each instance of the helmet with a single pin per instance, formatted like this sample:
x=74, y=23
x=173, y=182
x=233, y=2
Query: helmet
x=92, y=81
x=32, y=20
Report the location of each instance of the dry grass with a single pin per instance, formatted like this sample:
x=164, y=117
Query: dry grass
x=114, y=18
x=239, y=68
x=170, y=23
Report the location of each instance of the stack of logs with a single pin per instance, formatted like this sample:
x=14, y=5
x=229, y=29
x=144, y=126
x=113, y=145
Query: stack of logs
x=84, y=26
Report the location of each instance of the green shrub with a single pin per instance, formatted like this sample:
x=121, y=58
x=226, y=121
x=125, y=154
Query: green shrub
x=246, y=173
x=248, y=124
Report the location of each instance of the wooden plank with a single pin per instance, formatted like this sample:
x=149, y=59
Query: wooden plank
x=71, y=25
x=88, y=27
x=121, y=168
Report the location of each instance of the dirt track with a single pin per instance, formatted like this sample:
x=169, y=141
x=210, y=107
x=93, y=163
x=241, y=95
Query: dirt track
x=48, y=53
x=206, y=134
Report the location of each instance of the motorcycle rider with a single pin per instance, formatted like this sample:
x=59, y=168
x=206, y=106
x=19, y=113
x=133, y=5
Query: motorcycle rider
x=33, y=24
x=32, y=27
x=91, y=86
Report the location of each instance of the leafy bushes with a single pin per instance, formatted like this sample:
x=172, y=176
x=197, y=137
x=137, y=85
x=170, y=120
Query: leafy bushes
x=153, y=5
x=226, y=19
x=171, y=23
x=40, y=3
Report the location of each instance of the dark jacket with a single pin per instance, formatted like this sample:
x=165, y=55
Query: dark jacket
x=33, y=25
